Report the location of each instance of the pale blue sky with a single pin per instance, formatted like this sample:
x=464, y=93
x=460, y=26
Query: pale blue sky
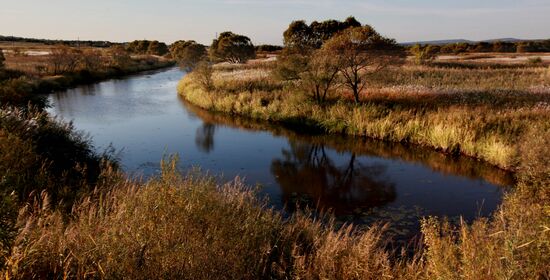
x=264, y=21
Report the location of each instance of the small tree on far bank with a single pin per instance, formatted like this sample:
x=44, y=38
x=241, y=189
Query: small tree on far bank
x=64, y=59
x=188, y=54
x=232, y=48
x=424, y=54
x=320, y=75
x=360, y=52
x=202, y=73
x=157, y=48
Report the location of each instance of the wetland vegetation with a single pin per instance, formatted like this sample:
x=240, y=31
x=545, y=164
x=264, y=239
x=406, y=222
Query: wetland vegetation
x=71, y=212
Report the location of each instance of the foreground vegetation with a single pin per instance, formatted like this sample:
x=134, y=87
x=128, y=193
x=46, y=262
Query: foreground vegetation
x=176, y=226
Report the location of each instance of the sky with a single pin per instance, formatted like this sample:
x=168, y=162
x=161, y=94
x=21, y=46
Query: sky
x=264, y=21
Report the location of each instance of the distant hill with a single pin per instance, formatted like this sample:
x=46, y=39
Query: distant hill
x=455, y=41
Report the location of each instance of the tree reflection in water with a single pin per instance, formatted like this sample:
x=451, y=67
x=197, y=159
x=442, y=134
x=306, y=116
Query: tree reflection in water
x=204, y=138
x=306, y=174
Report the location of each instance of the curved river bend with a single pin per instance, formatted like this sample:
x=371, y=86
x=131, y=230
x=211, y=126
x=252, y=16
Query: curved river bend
x=363, y=181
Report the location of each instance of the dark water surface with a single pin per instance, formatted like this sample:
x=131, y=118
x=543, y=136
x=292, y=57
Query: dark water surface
x=361, y=180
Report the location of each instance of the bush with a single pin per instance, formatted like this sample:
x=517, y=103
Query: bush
x=534, y=60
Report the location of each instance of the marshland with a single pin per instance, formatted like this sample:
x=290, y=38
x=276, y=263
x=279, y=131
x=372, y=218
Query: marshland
x=341, y=154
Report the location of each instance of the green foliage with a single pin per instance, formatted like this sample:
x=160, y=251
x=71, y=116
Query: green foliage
x=424, y=54
x=301, y=37
x=232, y=48
x=51, y=155
x=188, y=53
x=291, y=65
x=157, y=48
x=147, y=47
x=359, y=52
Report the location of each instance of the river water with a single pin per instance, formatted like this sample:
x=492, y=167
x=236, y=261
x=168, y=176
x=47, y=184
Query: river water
x=362, y=181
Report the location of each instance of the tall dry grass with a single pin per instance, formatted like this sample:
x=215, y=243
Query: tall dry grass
x=186, y=227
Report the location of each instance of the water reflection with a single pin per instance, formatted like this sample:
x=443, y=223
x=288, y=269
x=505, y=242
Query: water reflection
x=204, y=137
x=306, y=174
x=445, y=164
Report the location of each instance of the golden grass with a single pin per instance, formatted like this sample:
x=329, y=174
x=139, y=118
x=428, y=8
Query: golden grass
x=487, y=126
x=189, y=227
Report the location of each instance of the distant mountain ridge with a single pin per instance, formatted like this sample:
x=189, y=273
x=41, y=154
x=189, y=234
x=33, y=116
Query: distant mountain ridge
x=455, y=41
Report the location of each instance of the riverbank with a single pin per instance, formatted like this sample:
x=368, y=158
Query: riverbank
x=70, y=80
x=20, y=89
x=488, y=123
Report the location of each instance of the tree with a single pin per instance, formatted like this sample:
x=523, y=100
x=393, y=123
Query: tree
x=203, y=75
x=320, y=75
x=157, y=48
x=290, y=65
x=423, y=54
x=188, y=53
x=361, y=51
x=233, y=48
x=301, y=41
x=298, y=37
x=92, y=59
x=64, y=59
x=147, y=47
x=302, y=37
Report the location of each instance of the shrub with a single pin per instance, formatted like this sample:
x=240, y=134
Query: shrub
x=535, y=60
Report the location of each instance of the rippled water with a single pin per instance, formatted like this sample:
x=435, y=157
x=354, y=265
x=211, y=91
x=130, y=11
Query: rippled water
x=363, y=181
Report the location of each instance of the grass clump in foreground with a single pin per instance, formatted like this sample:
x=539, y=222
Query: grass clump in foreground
x=186, y=227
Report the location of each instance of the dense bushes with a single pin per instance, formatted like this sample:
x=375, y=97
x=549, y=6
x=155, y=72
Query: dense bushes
x=147, y=47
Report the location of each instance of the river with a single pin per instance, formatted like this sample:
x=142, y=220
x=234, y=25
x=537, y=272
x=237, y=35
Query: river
x=362, y=181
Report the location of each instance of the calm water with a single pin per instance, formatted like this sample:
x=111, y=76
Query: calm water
x=363, y=181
